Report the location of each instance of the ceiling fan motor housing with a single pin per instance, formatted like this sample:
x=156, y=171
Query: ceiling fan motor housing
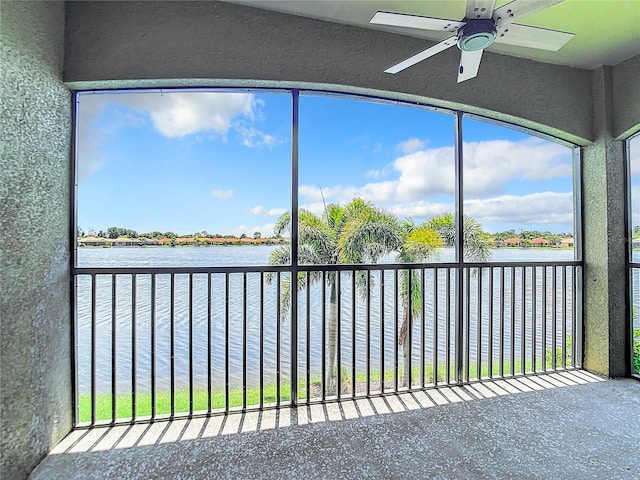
x=476, y=34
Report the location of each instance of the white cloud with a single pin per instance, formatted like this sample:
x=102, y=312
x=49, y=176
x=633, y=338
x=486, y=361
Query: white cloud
x=252, y=137
x=411, y=145
x=534, y=208
x=489, y=166
x=384, y=172
x=222, y=194
x=89, y=138
x=260, y=210
x=421, y=209
x=173, y=114
x=176, y=114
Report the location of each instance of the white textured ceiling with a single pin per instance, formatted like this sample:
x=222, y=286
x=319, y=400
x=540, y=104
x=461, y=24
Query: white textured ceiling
x=606, y=31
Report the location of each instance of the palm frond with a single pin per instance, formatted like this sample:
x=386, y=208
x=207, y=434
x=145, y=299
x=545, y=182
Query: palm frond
x=285, y=297
x=422, y=243
x=283, y=224
x=476, y=247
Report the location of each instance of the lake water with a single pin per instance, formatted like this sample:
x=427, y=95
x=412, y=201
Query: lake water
x=250, y=315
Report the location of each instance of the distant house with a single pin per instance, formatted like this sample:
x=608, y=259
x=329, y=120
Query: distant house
x=164, y=241
x=148, y=242
x=185, y=241
x=566, y=242
x=124, y=242
x=511, y=242
x=220, y=241
x=93, y=242
x=540, y=242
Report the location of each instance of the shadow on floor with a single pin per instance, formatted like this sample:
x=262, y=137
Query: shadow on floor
x=565, y=424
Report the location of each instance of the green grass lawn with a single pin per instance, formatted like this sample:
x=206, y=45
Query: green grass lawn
x=200, y=395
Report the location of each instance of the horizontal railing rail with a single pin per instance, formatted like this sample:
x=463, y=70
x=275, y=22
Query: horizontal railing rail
x=156, y=343
x=343, y=267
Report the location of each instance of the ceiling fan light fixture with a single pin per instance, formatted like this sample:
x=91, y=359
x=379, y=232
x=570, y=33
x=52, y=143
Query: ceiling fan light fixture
x=476, y=35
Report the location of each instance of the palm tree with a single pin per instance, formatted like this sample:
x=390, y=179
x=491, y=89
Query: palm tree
x=475, y=240
x=354, y=233
x=419, y=243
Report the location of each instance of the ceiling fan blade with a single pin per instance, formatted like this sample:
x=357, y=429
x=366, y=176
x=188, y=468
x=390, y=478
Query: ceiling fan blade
x=415, y=21
x=469, y=64
x=480, y=9
x=520, y=8
x=418, y=57
x=532, y=37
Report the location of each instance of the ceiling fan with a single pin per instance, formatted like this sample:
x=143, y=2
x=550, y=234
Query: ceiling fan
x=481, y=26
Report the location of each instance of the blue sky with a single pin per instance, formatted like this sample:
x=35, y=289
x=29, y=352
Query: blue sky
x=220, y=162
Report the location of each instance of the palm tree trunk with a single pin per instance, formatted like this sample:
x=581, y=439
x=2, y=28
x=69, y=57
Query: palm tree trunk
x=333, y=327
x=403, y=341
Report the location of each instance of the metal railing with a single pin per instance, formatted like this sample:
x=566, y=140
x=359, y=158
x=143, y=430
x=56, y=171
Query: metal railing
x=634, y=302
x=154, y=343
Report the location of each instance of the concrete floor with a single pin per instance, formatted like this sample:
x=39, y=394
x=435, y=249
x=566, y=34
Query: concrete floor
x=563, y=425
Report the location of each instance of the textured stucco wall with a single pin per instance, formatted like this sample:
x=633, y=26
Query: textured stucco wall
x=213, y=41
x=605, y=279
x=626, y=97
x=35, y=341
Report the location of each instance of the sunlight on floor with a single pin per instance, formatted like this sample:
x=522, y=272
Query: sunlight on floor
x=127, y=436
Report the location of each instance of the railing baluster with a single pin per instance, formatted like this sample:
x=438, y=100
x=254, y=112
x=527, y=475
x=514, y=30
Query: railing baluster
x=244, y=341
x=153, y=346
x=436, y=320
x=423, y=328
x=409, y=339
x=544, y=320
x=512, y=323
x=523, y=308
x=94, y=349
x=278, y=316
x=226, y=342
x=190, y=345
x=133, y=348
x=534, y=317
x=466, y=272
x=114, y=321
x=339, y=334
x=574, y=315
x=323, y=366
x=308, y=339
x=368, y=332
x=209, y=350
x=490, y=331
x=563, y=295
x=447, y=333
x=261, y=341
x=554, y=303
x=395, y=331
x=173, y=347
x=502, y=321
x=479, y=291
x=382, y=331
x=353, y=333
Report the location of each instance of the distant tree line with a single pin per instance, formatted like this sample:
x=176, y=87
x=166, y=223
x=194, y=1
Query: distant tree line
x=527, y=235
x=117, y=232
